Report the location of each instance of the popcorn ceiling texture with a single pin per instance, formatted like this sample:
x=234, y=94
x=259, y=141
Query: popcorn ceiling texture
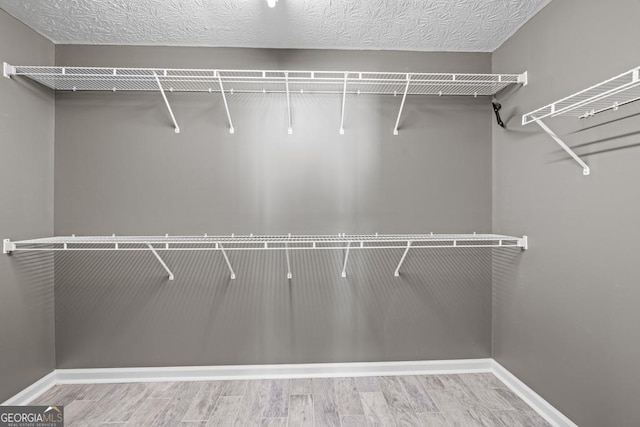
x=421, y=25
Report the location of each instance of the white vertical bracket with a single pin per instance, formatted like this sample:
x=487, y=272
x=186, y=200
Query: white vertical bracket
x=286, y=250
x=286, y=82
x=166, y=101
x=346, y=259
x=565, y=147
x=226, y=106
x=8, y=70
x=226, y=258
x=404, y=255
x=8, y=246
x=171, y=277
x=344, y=98
x=523, y=243
x=404, y=98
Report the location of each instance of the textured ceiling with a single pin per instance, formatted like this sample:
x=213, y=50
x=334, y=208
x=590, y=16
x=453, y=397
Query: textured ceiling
x=423, y=25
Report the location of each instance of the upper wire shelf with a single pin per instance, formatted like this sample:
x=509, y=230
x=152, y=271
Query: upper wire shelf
x=286, y=243
x=265, y=81
x=609, y=95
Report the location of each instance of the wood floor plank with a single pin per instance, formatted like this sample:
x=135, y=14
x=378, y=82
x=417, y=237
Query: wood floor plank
x=482, y=381
x=127, y=402
x=147, y=412
x=473, y=417
x=301, y=386
x=253, y=403
x=398, y=401
x=204, y=401
x=235, y=388
x=278, y=403
x=76, y=411
x=430, y=382
x=433, y=419
x=182, y=395
x=376, y=409
x=301, y=410
x=353, y=420
x=521, y=419
x=274, y=422
x=367, y=384
x=348, y=397
x=325, y=405
x=418, y=395
x=225, y=411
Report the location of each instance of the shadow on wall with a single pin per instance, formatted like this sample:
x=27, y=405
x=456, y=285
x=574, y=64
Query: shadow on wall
x=35, y=274
x=119, y=309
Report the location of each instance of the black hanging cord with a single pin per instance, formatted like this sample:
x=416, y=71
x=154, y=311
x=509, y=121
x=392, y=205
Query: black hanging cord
x=496, y=109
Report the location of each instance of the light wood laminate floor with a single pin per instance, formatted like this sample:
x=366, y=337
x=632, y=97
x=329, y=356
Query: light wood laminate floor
x=434, y=400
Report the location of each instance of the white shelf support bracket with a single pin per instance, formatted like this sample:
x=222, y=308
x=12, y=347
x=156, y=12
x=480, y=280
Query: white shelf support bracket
x=8, y=70
x=404, y=98
x=565, y=147
x=523, y=78
x=523, y=243
x=344, y=98
x=226, y=258
x=286, y=82
x=226, y=106
x=171, y=277
x=166, y=101
x=404, y=255
x=8, y=247
x=286, y=250
x=346, y=259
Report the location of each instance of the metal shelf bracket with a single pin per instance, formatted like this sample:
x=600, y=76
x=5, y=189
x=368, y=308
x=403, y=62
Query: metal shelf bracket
x=166, y=101
x=8, y=247
x=226, y=258
x=346, y=259
x=404, y=98
x=289, y=275
x=286, y=81
x=171, y=276
x=404, y=255
x=565, y=147
x=8, y=70
x=226, y=106
x=344, y=98
x=523, y=243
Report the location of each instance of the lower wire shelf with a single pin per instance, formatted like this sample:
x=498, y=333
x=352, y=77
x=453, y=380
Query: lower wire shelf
x=286, y=243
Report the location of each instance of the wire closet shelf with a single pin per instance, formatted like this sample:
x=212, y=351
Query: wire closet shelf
x=608, y=95
x=286, y=243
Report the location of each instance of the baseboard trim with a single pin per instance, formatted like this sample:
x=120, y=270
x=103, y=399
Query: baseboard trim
x=33, y=391
x=254, y=372
x=533, y=399
x=311, y=370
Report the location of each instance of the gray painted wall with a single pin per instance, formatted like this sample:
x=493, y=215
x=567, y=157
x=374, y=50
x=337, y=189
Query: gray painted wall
x=26, y=211
x=566, y=320
x=121, y=169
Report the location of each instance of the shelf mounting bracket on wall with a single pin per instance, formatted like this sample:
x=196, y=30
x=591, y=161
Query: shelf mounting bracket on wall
x=8, y=70
x=286, y=82
x=404, y=98
x=171, y=277
x=166, y=101
x=565, y=147
x=286, y=250
x=404, y=255
x=226, y=258
x=344, y=99
x=346, y=259
x=226, y=106
x=8, y=247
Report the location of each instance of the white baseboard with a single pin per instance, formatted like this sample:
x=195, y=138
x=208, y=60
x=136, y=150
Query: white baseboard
x=533, y=399
x=253, y=372
x=311, y=370
x=33, y=391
